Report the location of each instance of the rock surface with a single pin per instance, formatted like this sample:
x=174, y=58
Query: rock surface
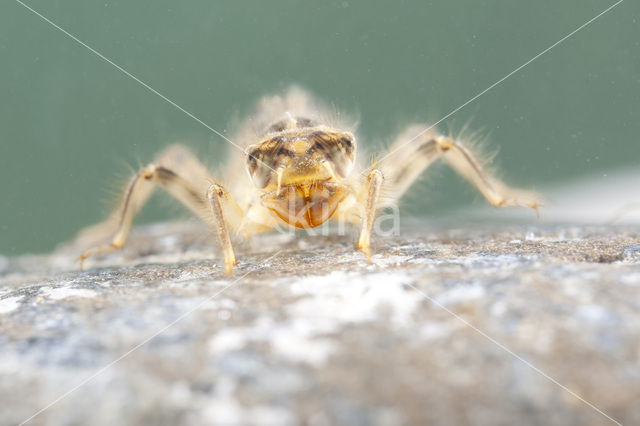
x=156, y=334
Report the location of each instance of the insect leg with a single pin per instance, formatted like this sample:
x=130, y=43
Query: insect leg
x=372, y=190
x=406, y=164
x=218, y=197
x=137, y=193
x=179, y=173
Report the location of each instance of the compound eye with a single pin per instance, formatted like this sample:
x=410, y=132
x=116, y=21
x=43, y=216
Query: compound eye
x=348, y=142
x=259, y=172
x=252, y=161
x=343, y=157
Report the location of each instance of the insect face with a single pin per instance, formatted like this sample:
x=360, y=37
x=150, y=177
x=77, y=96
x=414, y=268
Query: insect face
x=301, y=156
x=300, y=167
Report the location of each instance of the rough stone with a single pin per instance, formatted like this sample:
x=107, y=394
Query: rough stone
x=459, y=326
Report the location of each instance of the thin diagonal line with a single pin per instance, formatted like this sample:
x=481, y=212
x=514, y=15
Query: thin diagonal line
x=497, y=83
x=133, y=77
x=145, y=341
x=510, y=352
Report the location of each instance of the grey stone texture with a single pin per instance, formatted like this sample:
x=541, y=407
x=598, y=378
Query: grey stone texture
x=481, y=326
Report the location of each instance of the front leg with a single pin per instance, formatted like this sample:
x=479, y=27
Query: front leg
x=372, y=193
x=218, y=197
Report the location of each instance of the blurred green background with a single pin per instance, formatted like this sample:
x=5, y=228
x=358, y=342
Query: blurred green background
x=70, y=122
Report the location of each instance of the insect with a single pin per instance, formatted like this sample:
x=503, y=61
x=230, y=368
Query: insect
x=299, y=168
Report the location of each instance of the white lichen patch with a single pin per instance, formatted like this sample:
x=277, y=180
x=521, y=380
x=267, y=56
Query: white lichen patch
x=461, y=294
x=295, y=341
x=389, y=260
x=229, y=340
x=500, y=261
x=228, y=411
x=595, y=315
x=344, y=297
x=439, y=329
x=298, y=341
x=9, y=304
x=631, y=279
x=324, y=304
x=58, y=293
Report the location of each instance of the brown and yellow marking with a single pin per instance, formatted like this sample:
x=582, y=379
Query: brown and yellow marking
x=299, y=156
x=306, y=206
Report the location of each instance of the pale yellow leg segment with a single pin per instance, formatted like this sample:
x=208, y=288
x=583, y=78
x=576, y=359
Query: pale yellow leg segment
x=372, y=189
x=188, y=183
x=405, y=165
x=217, y=195
x=496, y=192
x=137, y=193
